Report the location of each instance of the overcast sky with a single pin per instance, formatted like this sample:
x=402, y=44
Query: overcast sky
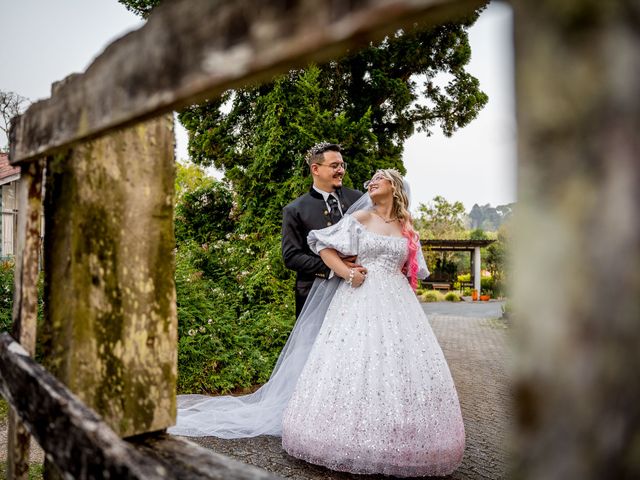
x=44, y=41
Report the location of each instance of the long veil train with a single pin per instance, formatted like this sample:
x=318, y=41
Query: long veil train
x=260, y=413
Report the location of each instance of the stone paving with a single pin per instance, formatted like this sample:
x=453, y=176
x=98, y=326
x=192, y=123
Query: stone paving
x=476, y=349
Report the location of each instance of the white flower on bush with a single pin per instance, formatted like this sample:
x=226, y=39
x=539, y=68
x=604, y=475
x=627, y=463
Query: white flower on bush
x=192, y=332
x=202, y=329
x=209, y=321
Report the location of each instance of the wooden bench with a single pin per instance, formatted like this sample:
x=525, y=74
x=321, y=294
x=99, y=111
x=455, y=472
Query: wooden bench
x=440, y=286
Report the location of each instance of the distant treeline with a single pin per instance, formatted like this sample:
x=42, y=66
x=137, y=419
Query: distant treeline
x=488, y=218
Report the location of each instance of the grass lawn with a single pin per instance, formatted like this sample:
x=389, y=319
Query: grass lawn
x=35, y=471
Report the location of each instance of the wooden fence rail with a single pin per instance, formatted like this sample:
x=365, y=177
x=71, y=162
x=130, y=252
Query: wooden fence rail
x=81, y=445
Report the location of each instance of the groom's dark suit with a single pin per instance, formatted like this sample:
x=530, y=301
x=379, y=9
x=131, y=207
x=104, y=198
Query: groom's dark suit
x=308, y=212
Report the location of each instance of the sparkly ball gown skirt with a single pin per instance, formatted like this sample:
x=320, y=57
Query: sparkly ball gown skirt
x=376, y=394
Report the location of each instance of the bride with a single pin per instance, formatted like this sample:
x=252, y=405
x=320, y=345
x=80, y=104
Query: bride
x=362, y=385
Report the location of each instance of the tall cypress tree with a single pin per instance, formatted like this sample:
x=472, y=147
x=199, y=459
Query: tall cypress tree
x=369, y=101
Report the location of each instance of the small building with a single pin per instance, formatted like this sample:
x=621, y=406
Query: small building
x=9, y=178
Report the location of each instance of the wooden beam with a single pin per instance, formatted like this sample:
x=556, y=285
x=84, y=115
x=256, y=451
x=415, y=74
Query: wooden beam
x=82, y=446
x=72, y=435
x=185, y=459
x=190, y=50
x=25, y=300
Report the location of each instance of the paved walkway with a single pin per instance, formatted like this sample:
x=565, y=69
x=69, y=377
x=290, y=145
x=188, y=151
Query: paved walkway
x=476, y=349
x=491, y=309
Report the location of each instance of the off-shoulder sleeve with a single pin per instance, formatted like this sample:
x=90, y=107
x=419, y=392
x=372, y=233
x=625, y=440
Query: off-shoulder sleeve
x=343, y=237
x=423, y=271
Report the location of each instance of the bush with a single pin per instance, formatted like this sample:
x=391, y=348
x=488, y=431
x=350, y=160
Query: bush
x=432, y=296
x=465, y=277
x=452, y=297
x=230, y=328
x=6, y=294
x=487, y=285
x=203, y=214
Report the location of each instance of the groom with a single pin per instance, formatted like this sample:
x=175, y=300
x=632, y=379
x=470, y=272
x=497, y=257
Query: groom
x=322, y=206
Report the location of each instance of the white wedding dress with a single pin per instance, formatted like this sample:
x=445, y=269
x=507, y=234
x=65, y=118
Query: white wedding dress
x=375, y=394
x=361, y=385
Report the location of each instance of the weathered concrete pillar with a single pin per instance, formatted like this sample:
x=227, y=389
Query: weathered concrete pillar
x=111, y=324
x=577, y=240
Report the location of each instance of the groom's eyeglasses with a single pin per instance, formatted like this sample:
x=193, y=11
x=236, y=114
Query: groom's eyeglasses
x=335, y=166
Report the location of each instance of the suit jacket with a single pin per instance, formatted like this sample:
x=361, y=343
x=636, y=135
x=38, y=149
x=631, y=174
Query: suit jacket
x=308, y=212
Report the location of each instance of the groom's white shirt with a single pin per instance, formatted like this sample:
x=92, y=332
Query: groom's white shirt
x=326, y=195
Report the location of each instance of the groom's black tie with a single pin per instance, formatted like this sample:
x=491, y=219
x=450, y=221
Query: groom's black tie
x=334, y=211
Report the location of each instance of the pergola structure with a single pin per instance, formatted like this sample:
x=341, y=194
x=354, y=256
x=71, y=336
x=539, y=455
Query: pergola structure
x=471, y=246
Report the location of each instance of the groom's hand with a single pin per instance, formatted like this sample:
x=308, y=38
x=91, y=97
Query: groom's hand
x=351, y=262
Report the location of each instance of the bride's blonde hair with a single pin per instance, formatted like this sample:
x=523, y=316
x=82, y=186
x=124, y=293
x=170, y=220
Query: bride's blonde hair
x=400, y=207
x=400, y=210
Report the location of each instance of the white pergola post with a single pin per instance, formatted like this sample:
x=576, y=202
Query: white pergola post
x=476, y=269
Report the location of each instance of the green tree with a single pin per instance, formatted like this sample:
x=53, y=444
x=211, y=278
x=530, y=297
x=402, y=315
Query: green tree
x=389, y=90
x=496, y=259
x=189, y=177
x=478, y=234
x=414, y=79
x=260, y=143
x=440, y=219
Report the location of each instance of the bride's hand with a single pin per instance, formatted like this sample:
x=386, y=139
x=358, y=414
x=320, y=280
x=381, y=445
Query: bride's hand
x=359, y=276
